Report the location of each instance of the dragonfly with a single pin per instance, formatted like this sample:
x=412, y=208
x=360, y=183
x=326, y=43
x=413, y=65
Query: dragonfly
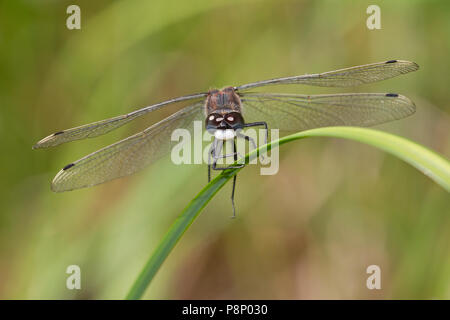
x=223, y=112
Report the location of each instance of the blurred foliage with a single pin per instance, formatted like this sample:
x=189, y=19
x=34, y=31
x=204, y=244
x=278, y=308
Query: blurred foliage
x=310, y=231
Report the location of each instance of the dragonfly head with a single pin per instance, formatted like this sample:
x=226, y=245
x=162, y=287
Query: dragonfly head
x=224, y=125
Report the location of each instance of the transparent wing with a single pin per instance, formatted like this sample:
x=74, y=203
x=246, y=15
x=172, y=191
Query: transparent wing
x=98, y=128
x=126, y=156
x=290, y=112
x=347, y=77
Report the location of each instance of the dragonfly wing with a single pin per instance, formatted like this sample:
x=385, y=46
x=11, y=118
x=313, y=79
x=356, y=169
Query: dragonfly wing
x=128, y=155
x=98, y=128
x=290, y=112
x=348, y=77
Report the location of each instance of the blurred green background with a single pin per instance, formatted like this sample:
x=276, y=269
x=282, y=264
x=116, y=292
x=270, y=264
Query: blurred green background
x=334, y=208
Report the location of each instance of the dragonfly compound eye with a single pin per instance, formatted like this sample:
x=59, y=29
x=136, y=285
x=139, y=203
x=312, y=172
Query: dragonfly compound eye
x=213, y=121
x=234, y=120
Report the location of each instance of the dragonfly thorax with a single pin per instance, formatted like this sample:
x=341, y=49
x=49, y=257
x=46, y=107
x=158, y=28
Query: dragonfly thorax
x=222, y=101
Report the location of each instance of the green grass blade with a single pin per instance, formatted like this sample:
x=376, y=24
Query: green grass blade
x=428, y=162
x=425, y=160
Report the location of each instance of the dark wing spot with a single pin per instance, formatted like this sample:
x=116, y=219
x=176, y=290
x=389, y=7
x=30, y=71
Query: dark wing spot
x=59, y=132
x=394, y=95
x=68, y=166
x=391, y=61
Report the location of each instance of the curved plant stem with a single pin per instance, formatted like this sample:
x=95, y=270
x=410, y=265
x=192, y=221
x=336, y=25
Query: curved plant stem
x=428, y=162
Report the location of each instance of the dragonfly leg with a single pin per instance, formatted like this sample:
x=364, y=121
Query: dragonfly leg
x=257, y=124
x=218, y=156
x=209, y=162
x=214, y=167
x=249, y=139
x=232, y=196
x=234, y=184
x=223, y=156
x=211, y=153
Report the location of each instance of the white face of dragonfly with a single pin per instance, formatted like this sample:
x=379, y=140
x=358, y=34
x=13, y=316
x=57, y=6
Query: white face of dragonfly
x=226, y=134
